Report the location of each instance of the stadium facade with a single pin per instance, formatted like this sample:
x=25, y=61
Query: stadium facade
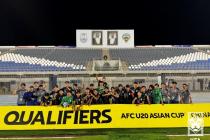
x=147, y=65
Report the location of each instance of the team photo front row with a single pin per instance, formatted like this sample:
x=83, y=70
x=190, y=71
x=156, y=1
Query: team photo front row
x=101, y=94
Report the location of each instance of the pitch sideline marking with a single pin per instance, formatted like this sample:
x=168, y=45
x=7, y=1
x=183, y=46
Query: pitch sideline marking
x=185, y=135
x=36, y=138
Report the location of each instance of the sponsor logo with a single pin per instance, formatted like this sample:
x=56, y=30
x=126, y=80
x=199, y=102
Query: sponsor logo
x=195, y=124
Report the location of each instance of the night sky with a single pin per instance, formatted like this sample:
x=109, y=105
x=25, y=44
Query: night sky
x=48, y=22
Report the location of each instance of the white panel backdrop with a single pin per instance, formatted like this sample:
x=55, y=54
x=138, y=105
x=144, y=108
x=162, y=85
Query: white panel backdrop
x=105, y=38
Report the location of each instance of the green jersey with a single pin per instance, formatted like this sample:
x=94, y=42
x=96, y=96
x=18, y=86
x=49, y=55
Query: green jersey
x=67, y=99
x=157, y=96
x=100, y=90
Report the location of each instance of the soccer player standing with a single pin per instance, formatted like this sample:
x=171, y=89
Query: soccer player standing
x=149, y=93
x=157, y=95
x=105, y=96
x=166, y=97
x=114, y=96
x=101, y=88
x=91, y=88
x=144, y=95
x=39, y=93
x=174, y=93
x=20, y=93
x=121, y=91
x=135, y=88
x=75, y=89
x=96, y=97
x=29, y=97
x=128, y=95
x=186, y=97
x=66, y=88
x=103, y=80
x=36, y=86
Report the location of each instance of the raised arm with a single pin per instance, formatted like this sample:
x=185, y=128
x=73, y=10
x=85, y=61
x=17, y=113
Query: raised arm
x=133, y=102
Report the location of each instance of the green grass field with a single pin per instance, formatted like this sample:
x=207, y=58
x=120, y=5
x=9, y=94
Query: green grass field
x=109, y=134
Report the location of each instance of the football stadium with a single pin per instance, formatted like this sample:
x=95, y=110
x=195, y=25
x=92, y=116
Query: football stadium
x=105, y=88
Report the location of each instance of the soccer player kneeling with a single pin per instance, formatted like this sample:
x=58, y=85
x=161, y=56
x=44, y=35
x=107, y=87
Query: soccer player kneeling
x=138, y=99
x=46, y=100
x=77, y=101
x=67, y=100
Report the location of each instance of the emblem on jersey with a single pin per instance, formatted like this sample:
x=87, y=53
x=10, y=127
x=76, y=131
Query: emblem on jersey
x=195, y=124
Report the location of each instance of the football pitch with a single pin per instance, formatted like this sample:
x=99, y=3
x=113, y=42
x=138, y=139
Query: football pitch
x=105, y=134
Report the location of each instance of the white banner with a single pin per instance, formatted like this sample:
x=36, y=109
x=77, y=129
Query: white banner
x=105, y=38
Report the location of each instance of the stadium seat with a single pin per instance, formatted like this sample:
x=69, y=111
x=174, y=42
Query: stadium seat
x=138, y=59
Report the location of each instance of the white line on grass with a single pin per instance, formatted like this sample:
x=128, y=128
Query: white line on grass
x=184, y=135
x=22, y=138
